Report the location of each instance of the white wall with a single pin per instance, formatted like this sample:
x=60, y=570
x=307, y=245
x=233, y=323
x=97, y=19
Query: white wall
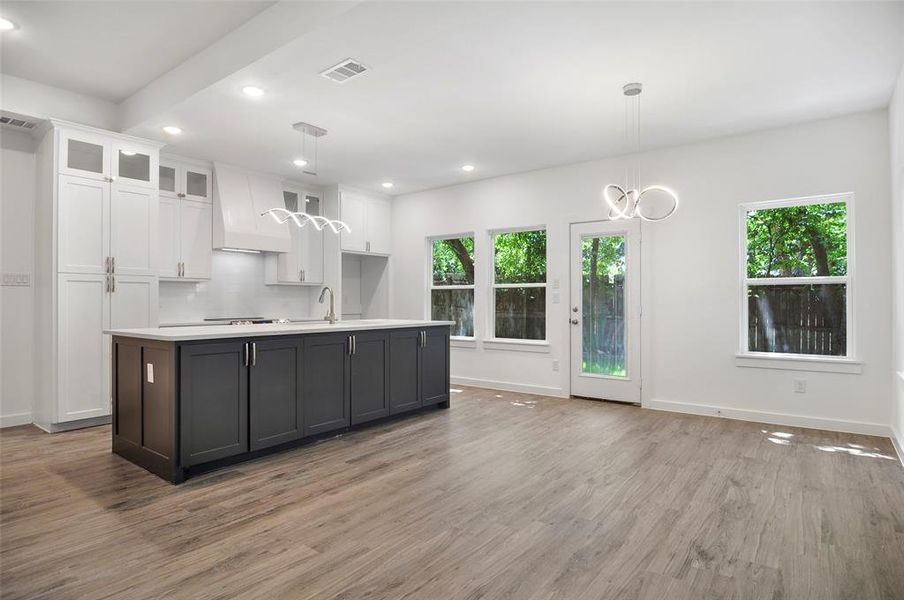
x=236, y=289
x=34, y=99
x=17, y=201
x=896, y=132
x=690, y=268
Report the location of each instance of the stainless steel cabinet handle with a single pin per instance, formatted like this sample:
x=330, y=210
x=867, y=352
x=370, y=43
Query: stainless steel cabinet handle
x=107, y=264
x=112, y=283
x=253, y=354
x=107, y=284
x=112, y=264
x=354, y=344
x=368, y=246
x=350, y=347
x=299, y=275
x=302, y=274
x=247, y=354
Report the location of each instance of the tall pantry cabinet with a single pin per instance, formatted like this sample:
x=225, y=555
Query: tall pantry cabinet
x=95, y=264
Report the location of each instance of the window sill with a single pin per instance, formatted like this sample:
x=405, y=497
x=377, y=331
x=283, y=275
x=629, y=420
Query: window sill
x=791, y=362
x=541, y=346
x=456, y=341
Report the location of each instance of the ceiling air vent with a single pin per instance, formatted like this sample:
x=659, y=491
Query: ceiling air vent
x=344, y=71
x=14, y=121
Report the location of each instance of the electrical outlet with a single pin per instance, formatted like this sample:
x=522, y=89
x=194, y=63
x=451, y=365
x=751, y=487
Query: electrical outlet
x=555, y=364
x=800, y=386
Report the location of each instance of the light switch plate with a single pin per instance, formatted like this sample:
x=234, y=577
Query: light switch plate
x=17, y=279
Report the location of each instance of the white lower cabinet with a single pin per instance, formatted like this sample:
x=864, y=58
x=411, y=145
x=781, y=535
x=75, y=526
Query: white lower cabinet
x=83, y=349
x=133, y=301
x=185, y=238
x=87, y=305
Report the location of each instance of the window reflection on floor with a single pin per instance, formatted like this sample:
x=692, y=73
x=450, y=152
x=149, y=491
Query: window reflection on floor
x=782, y=438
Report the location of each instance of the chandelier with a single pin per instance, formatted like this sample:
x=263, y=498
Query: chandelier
x=629, y=200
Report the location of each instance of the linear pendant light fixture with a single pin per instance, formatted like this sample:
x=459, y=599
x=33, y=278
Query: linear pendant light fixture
x=627, y=202
x=301, y=219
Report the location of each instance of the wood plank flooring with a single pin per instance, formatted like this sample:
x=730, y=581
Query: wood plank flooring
x=502, y=496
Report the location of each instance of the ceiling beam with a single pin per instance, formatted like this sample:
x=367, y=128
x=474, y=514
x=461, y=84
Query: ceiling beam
x=266, y=32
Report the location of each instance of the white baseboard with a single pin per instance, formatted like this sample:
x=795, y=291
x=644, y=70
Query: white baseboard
x=15, y=419
x=897, y=440
x=507, y=386
x=771, y=418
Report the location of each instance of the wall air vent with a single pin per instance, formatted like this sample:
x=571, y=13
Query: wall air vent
x=344, y=71
x=16, y=121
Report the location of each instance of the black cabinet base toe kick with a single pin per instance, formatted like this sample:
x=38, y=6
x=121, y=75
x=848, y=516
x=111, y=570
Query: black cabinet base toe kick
x=183, y=408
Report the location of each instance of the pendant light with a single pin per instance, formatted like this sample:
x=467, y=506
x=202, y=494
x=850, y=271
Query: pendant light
x=302, y=219
x=627, y=201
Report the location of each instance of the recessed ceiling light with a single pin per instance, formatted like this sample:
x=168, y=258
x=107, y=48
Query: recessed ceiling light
x=6, y=24
x=172, y=130
x=387, y=184
x=253, y=91
x=299, y=162
x=467, y=168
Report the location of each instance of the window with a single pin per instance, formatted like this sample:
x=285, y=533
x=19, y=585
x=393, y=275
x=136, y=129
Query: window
x=452, y=283
x=796, y=277
x=519, y=285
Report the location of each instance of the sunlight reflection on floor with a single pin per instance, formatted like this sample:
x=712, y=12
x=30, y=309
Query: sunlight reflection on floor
x=783, y=438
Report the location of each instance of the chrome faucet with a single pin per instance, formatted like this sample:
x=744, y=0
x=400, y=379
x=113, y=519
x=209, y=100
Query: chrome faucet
x=330, y=316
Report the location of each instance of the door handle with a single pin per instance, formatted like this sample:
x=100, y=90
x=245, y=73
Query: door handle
x=354, y=344
x=107, y=284
x=350, y=347
x=574, y=321
x=253, y=354
x=247, y=355
x=112, y=264
x=112, y=283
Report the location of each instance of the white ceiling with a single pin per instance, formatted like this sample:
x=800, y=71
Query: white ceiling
x=515, y=86
x=112, y=49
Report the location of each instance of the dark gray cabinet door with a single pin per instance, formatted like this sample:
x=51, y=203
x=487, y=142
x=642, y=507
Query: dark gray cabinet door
x=276, y=392
x=404, y=370
x=435, y=366
x=369, y=376
x=213, y=401
x=326, y=393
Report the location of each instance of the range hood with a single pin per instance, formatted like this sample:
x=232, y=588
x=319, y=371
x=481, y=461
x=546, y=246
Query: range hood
x=239, y=198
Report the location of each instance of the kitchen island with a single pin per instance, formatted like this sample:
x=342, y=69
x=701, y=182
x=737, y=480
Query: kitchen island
x=190, y=399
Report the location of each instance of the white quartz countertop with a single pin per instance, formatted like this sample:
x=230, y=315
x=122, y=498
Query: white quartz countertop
x=214, y=332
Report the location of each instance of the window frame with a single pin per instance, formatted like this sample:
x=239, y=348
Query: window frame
x=784, y=360
x=496, y=342
x=431, y=286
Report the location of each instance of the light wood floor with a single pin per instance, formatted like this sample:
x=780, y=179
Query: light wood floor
x=502, y=496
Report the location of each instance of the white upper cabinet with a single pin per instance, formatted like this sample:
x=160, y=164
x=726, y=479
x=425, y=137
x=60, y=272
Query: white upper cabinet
x=186, y=215
x=169, y=256
x=181, y=178
x=378, y=226
x=133, y=230
x=84, y=154
x=353, y=212
x=83, y=214
x=134, y=164
x=195, y=238
x=303, y=264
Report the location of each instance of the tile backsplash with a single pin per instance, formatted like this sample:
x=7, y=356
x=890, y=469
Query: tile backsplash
x=236, y=289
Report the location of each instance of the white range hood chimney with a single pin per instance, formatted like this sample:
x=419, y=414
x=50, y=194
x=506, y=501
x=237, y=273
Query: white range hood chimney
x=239, y=198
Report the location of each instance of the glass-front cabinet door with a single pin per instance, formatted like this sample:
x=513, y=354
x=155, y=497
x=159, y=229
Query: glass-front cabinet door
x=196, y=183
x=168, y=178
x=84, y=154
x=134, y=164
